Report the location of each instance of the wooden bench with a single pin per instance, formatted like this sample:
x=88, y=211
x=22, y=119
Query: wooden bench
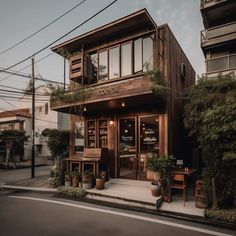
x=90, y=156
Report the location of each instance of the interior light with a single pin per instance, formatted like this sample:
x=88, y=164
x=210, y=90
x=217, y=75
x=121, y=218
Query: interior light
x=111, y=122
x=85, y=109
x=123, y=104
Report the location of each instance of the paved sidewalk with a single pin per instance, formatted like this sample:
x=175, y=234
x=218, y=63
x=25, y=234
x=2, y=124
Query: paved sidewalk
x=120, y=191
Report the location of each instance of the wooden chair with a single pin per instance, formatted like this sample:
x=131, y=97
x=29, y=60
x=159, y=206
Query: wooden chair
x=178, y=182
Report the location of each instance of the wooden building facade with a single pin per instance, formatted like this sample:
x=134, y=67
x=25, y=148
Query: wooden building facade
x=120, y=110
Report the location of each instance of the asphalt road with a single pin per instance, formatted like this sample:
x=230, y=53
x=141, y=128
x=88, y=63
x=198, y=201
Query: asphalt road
x=19, y=174
x=32, y=214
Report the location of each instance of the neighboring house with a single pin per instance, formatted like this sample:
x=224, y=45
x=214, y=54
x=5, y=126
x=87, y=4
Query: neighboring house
x=120, y=110
x=19, y=119
x=218, y=40
x=44, y=118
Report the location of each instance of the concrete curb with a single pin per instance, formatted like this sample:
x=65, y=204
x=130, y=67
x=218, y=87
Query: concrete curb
x=167, y=214
x=30, y=189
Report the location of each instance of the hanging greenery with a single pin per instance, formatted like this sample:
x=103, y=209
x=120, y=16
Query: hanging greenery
x=65, y=53
x=159, y=84
x=75, y=94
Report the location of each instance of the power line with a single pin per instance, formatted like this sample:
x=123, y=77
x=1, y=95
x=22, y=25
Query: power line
x=9, y=103
x=5, y=86
x=36, y=32
x=63, y=36
x=11, y=96
x=23, y=93
x=28, y=65
x=29, y=76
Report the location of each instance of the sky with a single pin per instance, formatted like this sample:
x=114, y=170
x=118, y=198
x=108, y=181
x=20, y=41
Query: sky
x=19, y=19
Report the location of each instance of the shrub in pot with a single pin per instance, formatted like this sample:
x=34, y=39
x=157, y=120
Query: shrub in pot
x=87, y=179
x=67, y=179
x=100, y=182
x=161, y=165
x=156, y=189
x=75, y=179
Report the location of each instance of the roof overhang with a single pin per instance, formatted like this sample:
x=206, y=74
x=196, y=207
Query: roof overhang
x=137, y=21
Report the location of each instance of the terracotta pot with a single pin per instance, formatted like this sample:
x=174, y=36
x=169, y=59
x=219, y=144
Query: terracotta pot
x=100, y=183
x=156, y=190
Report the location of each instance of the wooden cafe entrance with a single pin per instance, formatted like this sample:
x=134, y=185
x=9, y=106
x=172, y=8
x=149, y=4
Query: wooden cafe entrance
x=138, y=138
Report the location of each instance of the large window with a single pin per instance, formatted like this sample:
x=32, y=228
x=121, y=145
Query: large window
x=147, y=53
x=93, y=66
x=79, y=137
x=102, y=68
x=122, y=60
x=114, y=63
x=138, y=65
x=126, y=59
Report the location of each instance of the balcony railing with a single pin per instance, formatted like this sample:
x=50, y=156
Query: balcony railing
x=218, y=34
x=209, y=3
x=221, y=63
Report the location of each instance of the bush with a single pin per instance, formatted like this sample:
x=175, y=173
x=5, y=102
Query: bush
x=210, y=118
x=72, y=192
x=222, y=215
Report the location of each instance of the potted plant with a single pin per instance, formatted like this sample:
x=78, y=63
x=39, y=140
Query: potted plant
x=67, y=179
x=161, y=166
x=87, y=179
x=100, y=181
x=75, y=179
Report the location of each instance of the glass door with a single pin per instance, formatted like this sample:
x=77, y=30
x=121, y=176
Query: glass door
x=128, y=148
x=148, y=141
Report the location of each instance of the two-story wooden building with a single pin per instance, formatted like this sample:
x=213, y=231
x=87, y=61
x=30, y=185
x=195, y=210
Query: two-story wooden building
x=120, y=110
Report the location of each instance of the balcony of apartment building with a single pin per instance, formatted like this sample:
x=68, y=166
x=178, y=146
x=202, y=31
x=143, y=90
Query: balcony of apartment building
x=217, y=12
x=218, y=35
x=221, y=65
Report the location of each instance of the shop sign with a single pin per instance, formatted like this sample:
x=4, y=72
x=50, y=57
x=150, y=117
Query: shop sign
x=108, y=90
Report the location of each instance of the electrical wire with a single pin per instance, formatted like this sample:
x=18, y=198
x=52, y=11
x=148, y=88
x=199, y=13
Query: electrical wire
x=28, y=65
x=63, y=36
x=41, y=29
x=24, y=93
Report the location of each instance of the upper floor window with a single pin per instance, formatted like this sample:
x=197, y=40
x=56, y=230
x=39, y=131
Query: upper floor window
x=138, y=65
x=102, y=66
x=148, y=53
x=114, y=63
x=125, y=59
x=93, y=68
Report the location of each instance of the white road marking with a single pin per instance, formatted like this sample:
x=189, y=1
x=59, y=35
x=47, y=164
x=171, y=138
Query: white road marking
x=206, y=231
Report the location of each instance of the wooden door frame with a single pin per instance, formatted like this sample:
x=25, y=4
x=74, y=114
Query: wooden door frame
x=135, y=117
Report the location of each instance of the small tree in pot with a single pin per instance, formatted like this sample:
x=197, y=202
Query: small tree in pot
x=87, y=179
x=162, y=167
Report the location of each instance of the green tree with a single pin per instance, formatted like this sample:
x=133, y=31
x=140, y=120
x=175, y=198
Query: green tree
x=57, y=141
x=58, y=144
x=210, y=118
x=16, y=138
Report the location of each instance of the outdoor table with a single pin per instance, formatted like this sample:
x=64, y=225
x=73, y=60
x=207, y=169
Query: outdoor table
x=187, y=173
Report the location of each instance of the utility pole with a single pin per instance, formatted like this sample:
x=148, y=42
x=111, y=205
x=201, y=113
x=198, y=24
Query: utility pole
x=33, y=120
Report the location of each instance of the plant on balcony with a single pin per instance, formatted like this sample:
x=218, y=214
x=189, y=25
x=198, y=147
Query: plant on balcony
x=159, y=84
x=65, y=53
x=75, y=94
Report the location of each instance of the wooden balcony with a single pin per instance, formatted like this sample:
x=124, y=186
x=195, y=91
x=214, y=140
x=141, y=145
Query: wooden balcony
x=218, y=35
x=136, y=91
